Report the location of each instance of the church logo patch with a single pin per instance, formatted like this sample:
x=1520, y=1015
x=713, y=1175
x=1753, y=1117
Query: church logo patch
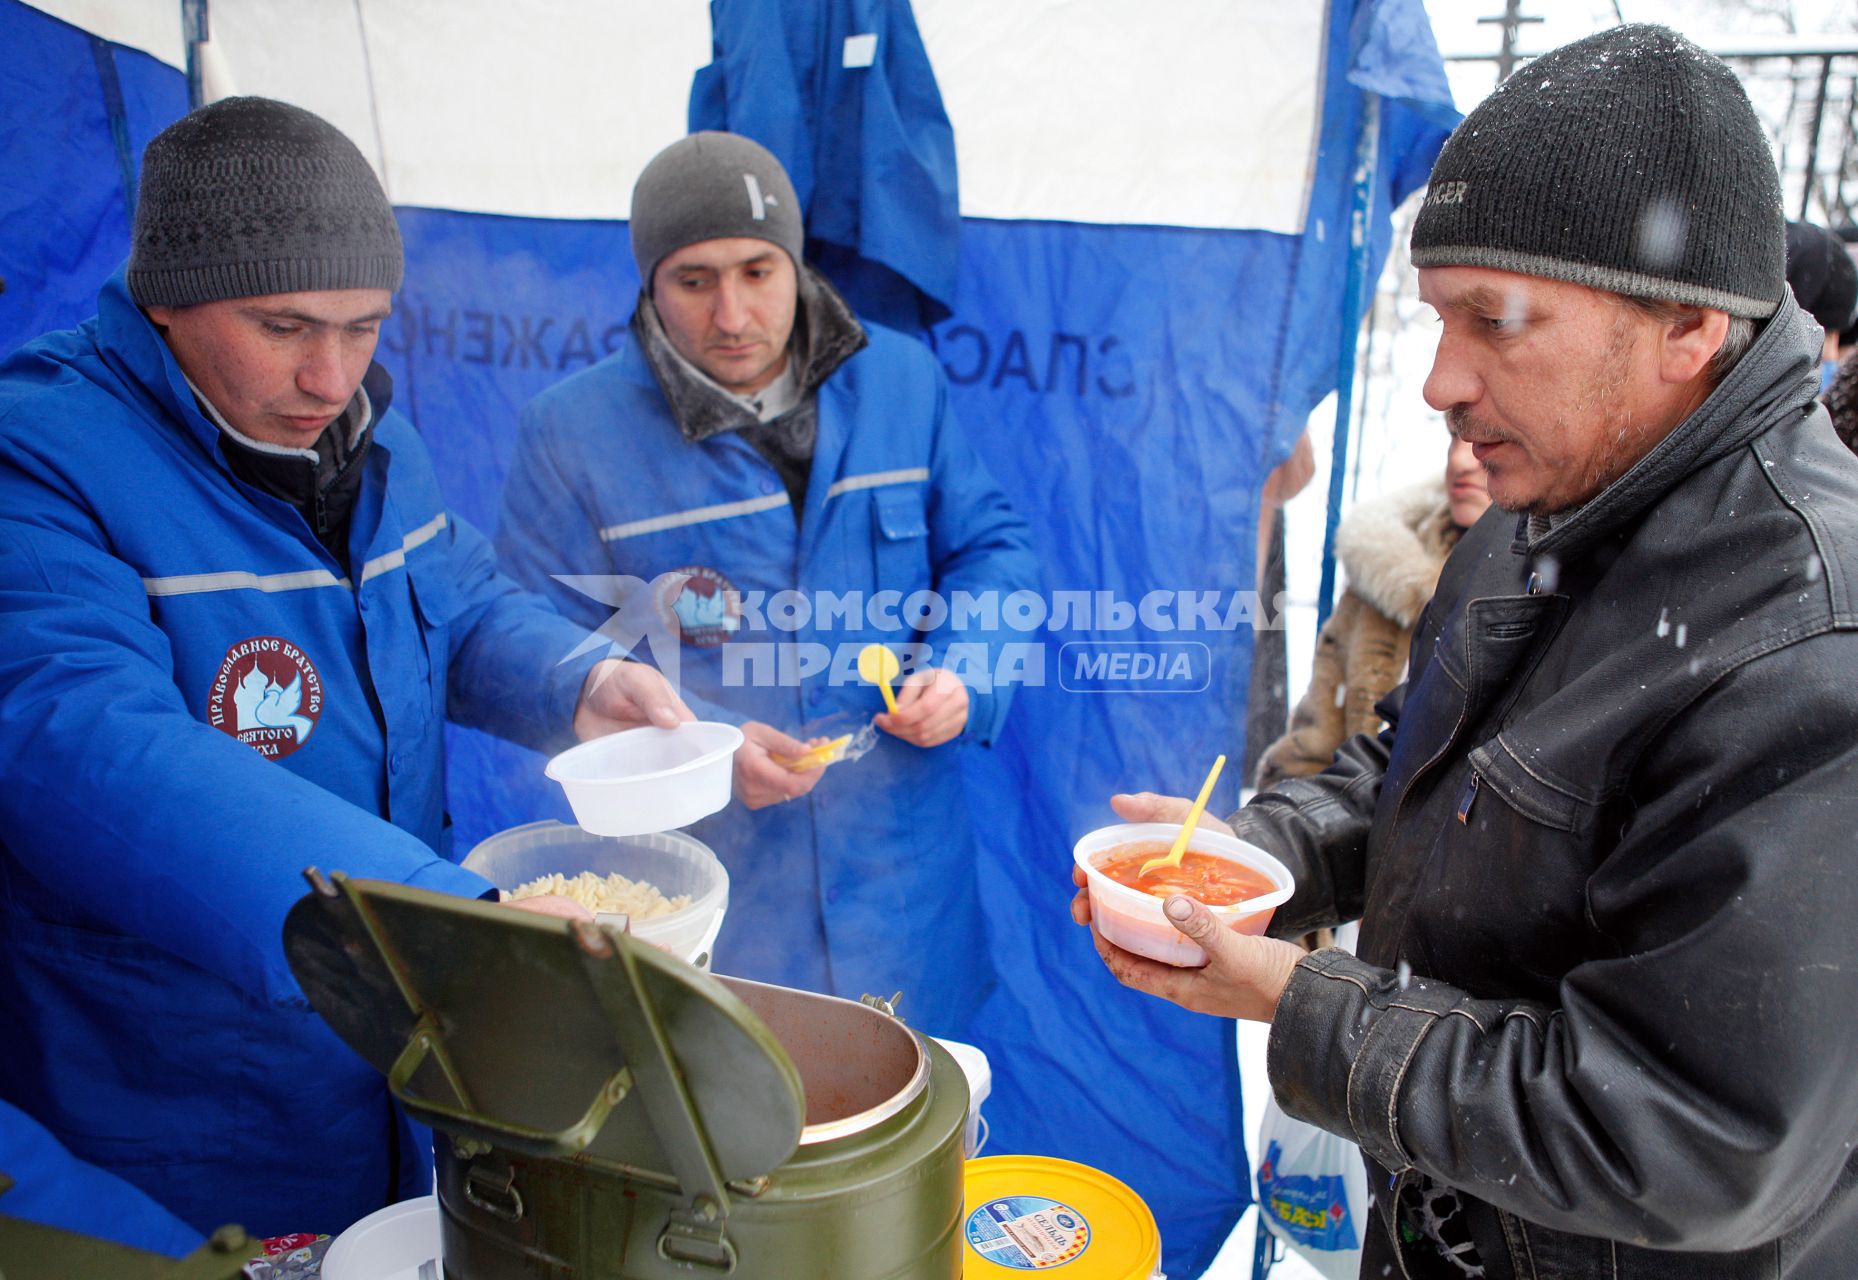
x=267, y=694
x=698, y=604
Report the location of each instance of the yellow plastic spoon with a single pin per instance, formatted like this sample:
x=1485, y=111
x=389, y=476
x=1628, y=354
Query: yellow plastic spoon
x=1173, y=856
x=825, y=753
x=879, y=666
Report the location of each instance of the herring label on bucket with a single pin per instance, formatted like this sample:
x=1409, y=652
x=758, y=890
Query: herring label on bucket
x=1027, y=1233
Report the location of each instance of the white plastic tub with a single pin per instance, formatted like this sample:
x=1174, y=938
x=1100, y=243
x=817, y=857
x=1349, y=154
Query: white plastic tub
x=671, y=861
x=650, y=779
x=1134, y=920
x=979, y=1071
x=389, y=1244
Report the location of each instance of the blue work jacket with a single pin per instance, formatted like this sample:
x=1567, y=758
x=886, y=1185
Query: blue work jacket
x=196, y=703
x=55, y=1189
x=867, y=884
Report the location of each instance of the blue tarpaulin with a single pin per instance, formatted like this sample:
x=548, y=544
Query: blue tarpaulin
x=1130, y=387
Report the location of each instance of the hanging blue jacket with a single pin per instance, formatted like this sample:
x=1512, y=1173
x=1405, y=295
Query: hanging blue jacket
x=195, y=705
x=867, y=884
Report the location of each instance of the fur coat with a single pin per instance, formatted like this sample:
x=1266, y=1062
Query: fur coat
x=1391, y=548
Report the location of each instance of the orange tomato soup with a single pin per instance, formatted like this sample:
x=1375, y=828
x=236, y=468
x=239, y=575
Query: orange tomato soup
x=1205, y=877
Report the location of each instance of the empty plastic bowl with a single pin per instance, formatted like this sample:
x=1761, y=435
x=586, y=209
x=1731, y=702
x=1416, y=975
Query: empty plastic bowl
x=389, y=1244
x=1134, y=920
x=650, y=779
x=670, y=861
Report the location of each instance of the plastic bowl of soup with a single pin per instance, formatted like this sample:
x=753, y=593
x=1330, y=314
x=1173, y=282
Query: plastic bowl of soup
x=1240, y=884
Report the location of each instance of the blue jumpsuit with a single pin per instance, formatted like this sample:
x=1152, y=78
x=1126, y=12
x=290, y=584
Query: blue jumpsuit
x=867, y=884
x=196, y=704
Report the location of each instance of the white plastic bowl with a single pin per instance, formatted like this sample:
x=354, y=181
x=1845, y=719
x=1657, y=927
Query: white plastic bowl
x=389, y=1244
x=643, y=780
x=974, y=1065
x=1134, y=920
x=670, y=861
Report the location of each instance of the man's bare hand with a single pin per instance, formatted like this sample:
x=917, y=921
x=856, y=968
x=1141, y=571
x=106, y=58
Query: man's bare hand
x=1146, y=806
x=1244, y=975
x=761, y=780
x=550, y=904
x=932, y=708
x=626, y=695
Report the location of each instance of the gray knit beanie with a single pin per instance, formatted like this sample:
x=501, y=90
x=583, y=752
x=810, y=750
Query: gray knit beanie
x=712, y=186
x=1630, y=161
x=249, y=196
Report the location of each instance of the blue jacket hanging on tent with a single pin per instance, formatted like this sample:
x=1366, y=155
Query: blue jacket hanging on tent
x=867, y=883
x=196, y=703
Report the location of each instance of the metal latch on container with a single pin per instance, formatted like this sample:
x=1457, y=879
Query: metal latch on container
x=888, y=1007
x=494, y=1191
x=696, y=1236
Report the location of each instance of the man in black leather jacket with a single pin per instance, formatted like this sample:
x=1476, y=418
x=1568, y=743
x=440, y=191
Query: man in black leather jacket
x=1605, y=1013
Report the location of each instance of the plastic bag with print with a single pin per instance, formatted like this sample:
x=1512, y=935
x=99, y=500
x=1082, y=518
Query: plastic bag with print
x=1312, y=1192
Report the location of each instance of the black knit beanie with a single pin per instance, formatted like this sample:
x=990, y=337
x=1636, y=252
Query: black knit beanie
x=712, y=186
x=1822, y=277
x=1630, y=161
x=249, y=196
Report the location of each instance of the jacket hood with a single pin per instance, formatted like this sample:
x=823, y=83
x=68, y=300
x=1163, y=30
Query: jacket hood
x=826, y=334
x=1774, y=382
x=1393, y=545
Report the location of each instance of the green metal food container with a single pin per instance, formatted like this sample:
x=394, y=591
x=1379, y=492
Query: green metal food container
x=604, y=1111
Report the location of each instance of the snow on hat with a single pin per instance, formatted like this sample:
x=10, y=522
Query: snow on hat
x=712, y=186
x=1629, y=161
x=249, y=196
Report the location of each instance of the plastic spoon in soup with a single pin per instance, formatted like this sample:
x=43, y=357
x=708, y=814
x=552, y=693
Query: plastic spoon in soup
x=879, y=666
x=1173, y=856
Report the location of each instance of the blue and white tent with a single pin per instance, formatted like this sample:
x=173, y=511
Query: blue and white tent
x=1139, y=233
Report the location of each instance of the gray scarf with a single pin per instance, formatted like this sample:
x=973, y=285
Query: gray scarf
x=826, y=334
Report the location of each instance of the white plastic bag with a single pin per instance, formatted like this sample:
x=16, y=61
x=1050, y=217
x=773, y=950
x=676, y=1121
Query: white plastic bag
x=1312, y=1192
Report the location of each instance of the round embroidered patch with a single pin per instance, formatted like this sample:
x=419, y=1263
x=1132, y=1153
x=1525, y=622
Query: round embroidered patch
x=267, y=694
x=698, y=604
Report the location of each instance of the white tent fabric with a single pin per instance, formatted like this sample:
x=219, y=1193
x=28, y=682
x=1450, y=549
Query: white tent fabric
x=1099, y=111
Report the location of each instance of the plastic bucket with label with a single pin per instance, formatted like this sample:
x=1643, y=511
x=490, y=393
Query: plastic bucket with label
x=1034, y=1213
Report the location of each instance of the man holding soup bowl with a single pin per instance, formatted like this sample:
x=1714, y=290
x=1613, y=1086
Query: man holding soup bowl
x=1607, y=990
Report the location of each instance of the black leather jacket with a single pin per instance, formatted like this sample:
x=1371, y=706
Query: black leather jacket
x=1612, y=839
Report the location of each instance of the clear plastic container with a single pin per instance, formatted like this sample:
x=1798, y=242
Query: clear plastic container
x=650, y=779
x=1134, y=920
x=670, y=861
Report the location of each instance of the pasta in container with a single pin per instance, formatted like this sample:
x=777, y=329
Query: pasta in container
x=609, y=894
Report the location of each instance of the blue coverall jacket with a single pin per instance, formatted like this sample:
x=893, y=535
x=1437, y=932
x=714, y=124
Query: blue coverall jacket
x=196, y=703
x=867, y=884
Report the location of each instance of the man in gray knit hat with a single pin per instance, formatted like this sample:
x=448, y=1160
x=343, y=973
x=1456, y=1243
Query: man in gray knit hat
x=754, y=440
x=234, y=616
x=1606, y=996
